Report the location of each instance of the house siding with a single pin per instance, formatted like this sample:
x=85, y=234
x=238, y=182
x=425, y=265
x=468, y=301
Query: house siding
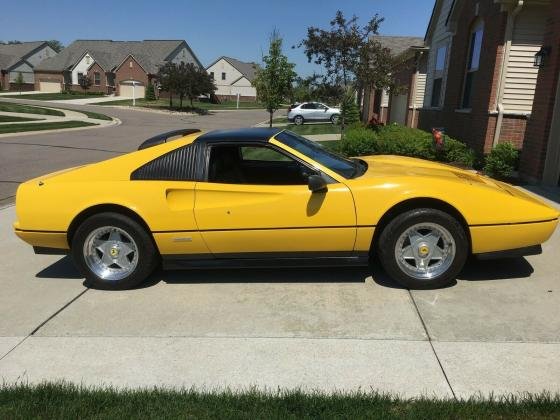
x=539, y=143
x=521, y=75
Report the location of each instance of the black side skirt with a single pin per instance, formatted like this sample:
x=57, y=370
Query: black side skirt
x=265, y=260
x=511, y=253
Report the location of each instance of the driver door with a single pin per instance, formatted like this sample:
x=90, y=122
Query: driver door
x=256, y=200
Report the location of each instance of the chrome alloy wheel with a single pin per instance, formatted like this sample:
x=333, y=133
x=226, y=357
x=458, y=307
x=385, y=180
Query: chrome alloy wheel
x=425, y=251
x=110, y=253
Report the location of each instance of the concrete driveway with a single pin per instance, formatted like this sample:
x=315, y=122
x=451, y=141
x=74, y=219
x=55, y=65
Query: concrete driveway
x=497, y=330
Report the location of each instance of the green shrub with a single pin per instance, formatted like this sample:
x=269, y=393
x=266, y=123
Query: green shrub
x=358, y=141
x=150, y=94
x=404, y=141
x=501, y=161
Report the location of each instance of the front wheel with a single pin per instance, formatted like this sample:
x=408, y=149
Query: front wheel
x=423, y=248
x=334, y=119
x=113, y=251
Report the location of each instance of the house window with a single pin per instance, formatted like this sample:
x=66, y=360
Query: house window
x=88, y=59
x=212, y=75
x=223, y=76
x=130, y=64
x=80, y=77
x=96, y=78
x=439, y=69
x=473, y=61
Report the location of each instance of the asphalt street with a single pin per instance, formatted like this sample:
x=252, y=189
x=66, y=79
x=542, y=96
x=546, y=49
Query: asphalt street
x=29, y=156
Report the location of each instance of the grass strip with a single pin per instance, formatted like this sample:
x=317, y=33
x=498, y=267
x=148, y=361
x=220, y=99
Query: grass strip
x=28, y=109
x=18, y=128
x=67, y=401
x=8, y=118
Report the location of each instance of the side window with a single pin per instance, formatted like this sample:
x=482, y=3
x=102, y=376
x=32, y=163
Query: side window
x=308, y=106
x=255, y=165
x=473, y=62
x=441, y=58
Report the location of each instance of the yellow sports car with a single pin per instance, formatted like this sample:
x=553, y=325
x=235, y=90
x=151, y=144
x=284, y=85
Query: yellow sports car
x=268, y=197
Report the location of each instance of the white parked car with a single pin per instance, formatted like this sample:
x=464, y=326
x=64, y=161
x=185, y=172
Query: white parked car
x=312, y=112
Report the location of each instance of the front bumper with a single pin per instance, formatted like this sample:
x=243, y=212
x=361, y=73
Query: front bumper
x=511, y=253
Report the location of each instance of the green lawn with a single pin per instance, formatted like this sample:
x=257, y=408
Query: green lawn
x=6, y=118
x=164, y=104
x=312, y=129
x=54, y=96
x=49, y=401
x=18, y=128
x=28, y=109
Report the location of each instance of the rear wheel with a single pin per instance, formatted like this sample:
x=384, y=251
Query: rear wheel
x=113, y=251
x=298, y=120
x=423, y=248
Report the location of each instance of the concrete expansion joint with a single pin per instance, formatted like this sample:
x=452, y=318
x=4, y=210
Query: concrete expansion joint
x=432, y=345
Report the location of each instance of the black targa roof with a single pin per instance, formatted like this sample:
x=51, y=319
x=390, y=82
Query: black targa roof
x=259, y=134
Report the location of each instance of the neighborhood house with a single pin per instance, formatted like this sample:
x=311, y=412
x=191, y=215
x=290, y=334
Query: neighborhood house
x=233, y=77
x=22, y=58
x=112, y=66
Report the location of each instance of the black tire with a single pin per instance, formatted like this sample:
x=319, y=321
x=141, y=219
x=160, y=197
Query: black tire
x=334, y=118
x=395, y=228
x=148, y=257
x=298, y=120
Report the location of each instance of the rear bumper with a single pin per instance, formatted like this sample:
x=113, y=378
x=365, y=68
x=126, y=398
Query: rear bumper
x=511, y=253
x=42, y=239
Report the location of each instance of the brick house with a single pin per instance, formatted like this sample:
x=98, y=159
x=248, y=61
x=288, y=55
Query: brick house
x=233, y=77
x=400, y=106
x=22, y=58
x=482, y=84
x=113, y=66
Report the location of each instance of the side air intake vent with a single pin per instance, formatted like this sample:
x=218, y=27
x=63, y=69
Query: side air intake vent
x=177, y=165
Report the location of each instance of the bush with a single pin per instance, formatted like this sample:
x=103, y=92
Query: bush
x=358, y=141
x=502, y=161
x=150, y=94
x=404, y=141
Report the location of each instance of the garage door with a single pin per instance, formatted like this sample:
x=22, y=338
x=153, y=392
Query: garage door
x=399, y=106
x=126, y=90
x=49, y=87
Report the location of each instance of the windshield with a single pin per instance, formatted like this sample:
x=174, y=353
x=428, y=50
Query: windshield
x=348, y=168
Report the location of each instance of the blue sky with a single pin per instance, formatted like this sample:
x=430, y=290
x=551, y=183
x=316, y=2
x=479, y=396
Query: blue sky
x=212, y=28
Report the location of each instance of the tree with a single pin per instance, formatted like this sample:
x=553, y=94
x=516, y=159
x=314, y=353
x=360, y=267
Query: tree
x=55, y=45
x=350, y=54
x=349, y=111
x=274, y=80
x=150, y=94
x=19, y=82
x=85, y=82
x=167, y=77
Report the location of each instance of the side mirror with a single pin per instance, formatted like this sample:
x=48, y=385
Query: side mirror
x=317, y=184
x=326, y=109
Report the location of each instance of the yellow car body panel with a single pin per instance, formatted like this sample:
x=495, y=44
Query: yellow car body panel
x=188, y=217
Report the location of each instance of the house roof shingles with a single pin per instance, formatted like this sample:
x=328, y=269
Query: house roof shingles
x=109, y=54
x=11, y=54
x=399, y=44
